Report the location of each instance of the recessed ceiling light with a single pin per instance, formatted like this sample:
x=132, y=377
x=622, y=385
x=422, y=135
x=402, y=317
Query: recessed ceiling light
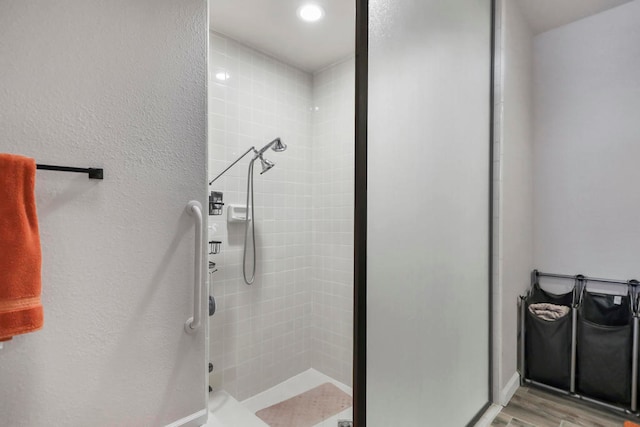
x=310, y=12
x=222, y=75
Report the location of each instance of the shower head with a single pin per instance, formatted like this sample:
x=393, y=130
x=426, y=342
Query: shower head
x=279, y=146
x=276, y=145
x=266, y=164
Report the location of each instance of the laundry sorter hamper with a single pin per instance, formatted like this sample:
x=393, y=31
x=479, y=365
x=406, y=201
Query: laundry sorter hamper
x=591, y=351
x=548, y=343
x=605, y=344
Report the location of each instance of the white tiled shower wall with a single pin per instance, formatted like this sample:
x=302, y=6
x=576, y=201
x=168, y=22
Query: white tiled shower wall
x=260, y=334
x=333, y=196
x=297, y=313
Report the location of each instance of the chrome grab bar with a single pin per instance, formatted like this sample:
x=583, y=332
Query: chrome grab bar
x=194, y=208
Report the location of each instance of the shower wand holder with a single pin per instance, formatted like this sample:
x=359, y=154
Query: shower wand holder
x=215, y=203
x=237, y=213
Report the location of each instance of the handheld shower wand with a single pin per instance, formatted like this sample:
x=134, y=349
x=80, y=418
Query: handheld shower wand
x=278, y=146
x=266, y=164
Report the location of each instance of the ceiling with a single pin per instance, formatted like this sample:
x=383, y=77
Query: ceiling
x=273, y=27
x=545, y=15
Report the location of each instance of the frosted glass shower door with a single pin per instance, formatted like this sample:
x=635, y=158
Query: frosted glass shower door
x=428, y=211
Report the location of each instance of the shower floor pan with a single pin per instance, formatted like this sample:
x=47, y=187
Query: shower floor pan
x=225, y=411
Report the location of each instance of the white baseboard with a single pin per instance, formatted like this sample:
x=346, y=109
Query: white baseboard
x=488, y=416
x=510, y=389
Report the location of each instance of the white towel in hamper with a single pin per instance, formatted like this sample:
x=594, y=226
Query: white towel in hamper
x=550, y=312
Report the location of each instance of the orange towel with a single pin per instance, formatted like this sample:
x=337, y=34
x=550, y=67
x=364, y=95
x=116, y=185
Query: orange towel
x=630, y=424
x=20, y=256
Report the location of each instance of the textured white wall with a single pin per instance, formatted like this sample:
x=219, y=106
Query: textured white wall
x=260, y=335
x=587, y=98
x=333, y=196
x=428, y=195
x=119, y=85
x=514, y=189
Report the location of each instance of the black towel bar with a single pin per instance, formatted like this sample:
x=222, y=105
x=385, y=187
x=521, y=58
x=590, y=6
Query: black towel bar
x=94, y=173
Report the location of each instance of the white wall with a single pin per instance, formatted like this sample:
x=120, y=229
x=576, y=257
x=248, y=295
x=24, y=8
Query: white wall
x=513, y=190
x=428, y=205
x=587, y=99
x=119, y=85
x=260, y=334
x=333, y=197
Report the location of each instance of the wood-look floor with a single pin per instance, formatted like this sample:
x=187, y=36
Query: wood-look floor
x=531, y=407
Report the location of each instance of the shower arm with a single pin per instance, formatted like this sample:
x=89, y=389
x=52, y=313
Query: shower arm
x=266, y=147
x=258, y=154
x=232, y=164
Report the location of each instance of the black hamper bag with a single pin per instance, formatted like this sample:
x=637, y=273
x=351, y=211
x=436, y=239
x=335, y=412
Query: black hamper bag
x=604, y=348
x=548, y=343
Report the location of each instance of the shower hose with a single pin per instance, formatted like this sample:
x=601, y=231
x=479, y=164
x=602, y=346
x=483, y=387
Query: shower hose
x=249, y=222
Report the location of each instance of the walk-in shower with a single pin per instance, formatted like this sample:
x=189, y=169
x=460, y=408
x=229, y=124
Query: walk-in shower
x=290, y=237
x=278, y=146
